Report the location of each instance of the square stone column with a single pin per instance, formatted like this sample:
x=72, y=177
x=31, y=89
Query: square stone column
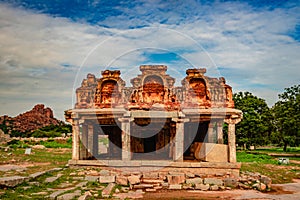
x=75, y=139
x=126, y=151
x=84, y=141
x=220, y=132
x=231, y=138
x=91, y=138
x=211, y=135
x=179, y=140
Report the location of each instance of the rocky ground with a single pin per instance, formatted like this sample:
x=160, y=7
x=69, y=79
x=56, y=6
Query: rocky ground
x=39, y=116
x=94, y=183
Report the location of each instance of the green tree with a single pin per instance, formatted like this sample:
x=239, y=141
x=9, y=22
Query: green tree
x=287, y=117
x=255, y=127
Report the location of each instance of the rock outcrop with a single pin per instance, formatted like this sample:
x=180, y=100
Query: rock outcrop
x=31, y=120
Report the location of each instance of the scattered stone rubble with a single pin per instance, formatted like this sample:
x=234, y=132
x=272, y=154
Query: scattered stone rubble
x=132, y=185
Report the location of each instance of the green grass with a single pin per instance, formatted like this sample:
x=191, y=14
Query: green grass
x=269, y=166
x=291, y=150
x=40, y=159
x=55, y=144
x=258, y=158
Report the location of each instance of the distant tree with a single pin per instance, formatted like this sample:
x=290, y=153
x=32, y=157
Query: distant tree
x=255, y=127
x=287, y=117
x=51, y=131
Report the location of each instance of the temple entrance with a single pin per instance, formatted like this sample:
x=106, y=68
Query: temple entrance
x=196, y=132
x=150, y=139
x=109, y=142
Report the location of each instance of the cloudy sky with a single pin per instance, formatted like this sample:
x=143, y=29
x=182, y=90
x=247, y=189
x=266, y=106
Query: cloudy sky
x=48, y=46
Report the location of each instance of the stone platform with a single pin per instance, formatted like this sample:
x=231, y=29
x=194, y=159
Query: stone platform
x=208, y=168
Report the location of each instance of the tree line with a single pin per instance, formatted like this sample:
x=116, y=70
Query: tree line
x=261, y=125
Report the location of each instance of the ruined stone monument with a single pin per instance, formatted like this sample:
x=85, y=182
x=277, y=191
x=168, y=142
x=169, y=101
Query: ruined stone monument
x=154, y=123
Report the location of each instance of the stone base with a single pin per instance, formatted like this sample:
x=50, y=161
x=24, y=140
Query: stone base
x=201, y=168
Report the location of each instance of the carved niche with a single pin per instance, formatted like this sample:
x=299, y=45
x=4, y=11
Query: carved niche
x=86, y=92
x=153, y=86
x=109, y=89
x=196, y=89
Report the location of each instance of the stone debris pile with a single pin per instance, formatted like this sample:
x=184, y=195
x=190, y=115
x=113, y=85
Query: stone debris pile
x=102, y=183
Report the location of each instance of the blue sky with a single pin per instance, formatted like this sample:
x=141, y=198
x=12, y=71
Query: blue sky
x=47, y=47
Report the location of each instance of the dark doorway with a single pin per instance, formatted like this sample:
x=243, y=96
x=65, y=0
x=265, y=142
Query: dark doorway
x=150, y=144
x=196, y=132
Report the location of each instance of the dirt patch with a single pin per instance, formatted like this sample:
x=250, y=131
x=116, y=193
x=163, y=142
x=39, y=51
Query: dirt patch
x=277, y=190
x=184, y=194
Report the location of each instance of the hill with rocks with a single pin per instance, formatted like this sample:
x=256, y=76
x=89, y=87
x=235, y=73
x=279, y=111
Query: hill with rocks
x=39, y=117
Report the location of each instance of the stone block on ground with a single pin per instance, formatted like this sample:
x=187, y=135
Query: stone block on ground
x=85, y=196
x=194, y=180
x=213, y=181
x=202, y=187
x=188, y=186
x=190, y=175
x=36, y=175
x=56, y=193
x=230, y=182
x=12, y=181
x=107, y=179
x=176, y=179
x=175, y=187
x=142, y=186
x=91, y=178
x=122, y=180
x=69, y=196
x=51, y=179
x=107, y=191
x=214, y=188
x=150, y=190
x=104, y=172
x=151, y=175
x=152, y=181
x=134, y=179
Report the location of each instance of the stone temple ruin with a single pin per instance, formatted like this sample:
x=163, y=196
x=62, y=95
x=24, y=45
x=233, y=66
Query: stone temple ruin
x=154, y=124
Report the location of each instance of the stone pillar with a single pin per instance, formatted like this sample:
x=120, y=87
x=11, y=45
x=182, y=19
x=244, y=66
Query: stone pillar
x=220, y=132
x=231, y=138
x=90, y=138
x=95, y=143
x=126, y=151
x=84, y=141
x=231, y=142
x=210, y=132
x=75, y=140
x=179, y=139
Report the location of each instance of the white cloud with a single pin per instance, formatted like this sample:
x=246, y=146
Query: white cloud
x=40, y=55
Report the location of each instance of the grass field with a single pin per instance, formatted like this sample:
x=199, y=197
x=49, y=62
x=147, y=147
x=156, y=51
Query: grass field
x=43, y=159
x=269, y=166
